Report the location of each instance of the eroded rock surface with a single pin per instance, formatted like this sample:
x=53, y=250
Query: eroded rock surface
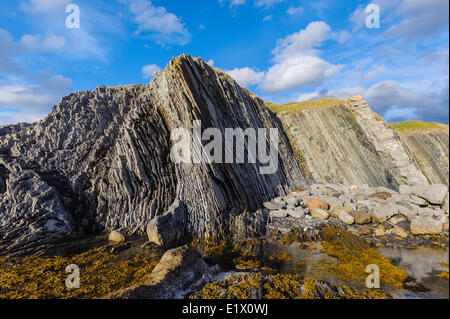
x=103, y=157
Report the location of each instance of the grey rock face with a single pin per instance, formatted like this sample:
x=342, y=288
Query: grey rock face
x=430, y=148
x=434, y=194
x=105, y=153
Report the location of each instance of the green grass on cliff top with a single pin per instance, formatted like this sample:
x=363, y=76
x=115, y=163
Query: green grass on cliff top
x=418, y=126
x=305, y=105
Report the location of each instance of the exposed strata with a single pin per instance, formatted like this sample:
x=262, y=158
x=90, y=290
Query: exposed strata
x=429, y=144
x=338, y=141
x=100, y=160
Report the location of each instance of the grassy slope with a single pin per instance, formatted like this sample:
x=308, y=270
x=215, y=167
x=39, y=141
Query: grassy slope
x=305, y=105
x=412, y=126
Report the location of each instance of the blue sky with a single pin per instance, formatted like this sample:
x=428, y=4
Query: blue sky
x=282, y=50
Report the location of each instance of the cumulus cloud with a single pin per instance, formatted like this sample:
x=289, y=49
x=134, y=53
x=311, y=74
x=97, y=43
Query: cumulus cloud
x=246, y=76
x=163, y=26
x=296, y=61
x=149, y=70
x=40, y=6
x=234, y=3
x=395, y=102
x=297, y=72
x=49, y=43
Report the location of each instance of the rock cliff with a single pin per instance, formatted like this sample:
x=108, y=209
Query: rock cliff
x=429, y=144
x=338, y=141
x=101, y=160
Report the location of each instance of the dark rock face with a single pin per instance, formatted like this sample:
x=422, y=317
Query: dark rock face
x=103, y=157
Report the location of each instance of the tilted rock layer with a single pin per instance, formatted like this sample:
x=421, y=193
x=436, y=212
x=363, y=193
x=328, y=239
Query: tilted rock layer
x=346, y=142
x=101, y=160
x=430, y=148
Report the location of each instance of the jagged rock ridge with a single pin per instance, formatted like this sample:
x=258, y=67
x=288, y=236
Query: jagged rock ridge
x=101, y=160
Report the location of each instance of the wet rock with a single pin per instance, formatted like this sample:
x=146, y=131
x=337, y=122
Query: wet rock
x=117, y=237
x=319, y=214
x=364, y=230
x=250, y=225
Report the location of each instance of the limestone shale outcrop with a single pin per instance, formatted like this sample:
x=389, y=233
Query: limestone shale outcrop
x=337, y=141
x=101, y=161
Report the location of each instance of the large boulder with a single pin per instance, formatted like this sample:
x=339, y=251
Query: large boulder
x=312, y=203
x=426, y=226
x=177, y=270
x=434, y=194
x=383, y=212
x=169, y=229
x=319, y=214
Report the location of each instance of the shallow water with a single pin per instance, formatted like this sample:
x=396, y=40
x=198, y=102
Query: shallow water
x=422, y=263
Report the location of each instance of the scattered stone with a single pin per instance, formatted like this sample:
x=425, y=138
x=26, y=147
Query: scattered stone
x=314, y=203
x=381, y=195
x=353, y=189
x=417, y=200
x=361, y=218
x=291, y=200
x=319, y=213
x=278, y=214
x=364, y=230
x=380, y=230
x=346, y=218
x=397, y=219
x=297, y=213
x=273, y=206
x=398, y=231
x=381, y=213
x=117, y=237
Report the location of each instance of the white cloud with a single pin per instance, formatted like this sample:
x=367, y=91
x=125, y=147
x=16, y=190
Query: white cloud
x=297, y=72
x=302, y=42
x=297, y=64
x=372, y=73
x=267, y=3
x=210, y=63
x=8, y=52
x=420, y=18
x=341, y=37
x=40, y=6
x=267, y=18
x=246, y=76
x=294, y=11
x=32, y=101
x=234, y=3
x=163, y=26
x=53, y=42
x=149, y=70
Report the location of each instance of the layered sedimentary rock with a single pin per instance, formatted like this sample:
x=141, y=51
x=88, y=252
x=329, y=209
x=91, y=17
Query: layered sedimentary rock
x=101, y=160
x=430, y=147
x=346, y=142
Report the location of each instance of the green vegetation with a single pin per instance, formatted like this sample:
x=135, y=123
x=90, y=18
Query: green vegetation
x=418, y=126
x=305, y=105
